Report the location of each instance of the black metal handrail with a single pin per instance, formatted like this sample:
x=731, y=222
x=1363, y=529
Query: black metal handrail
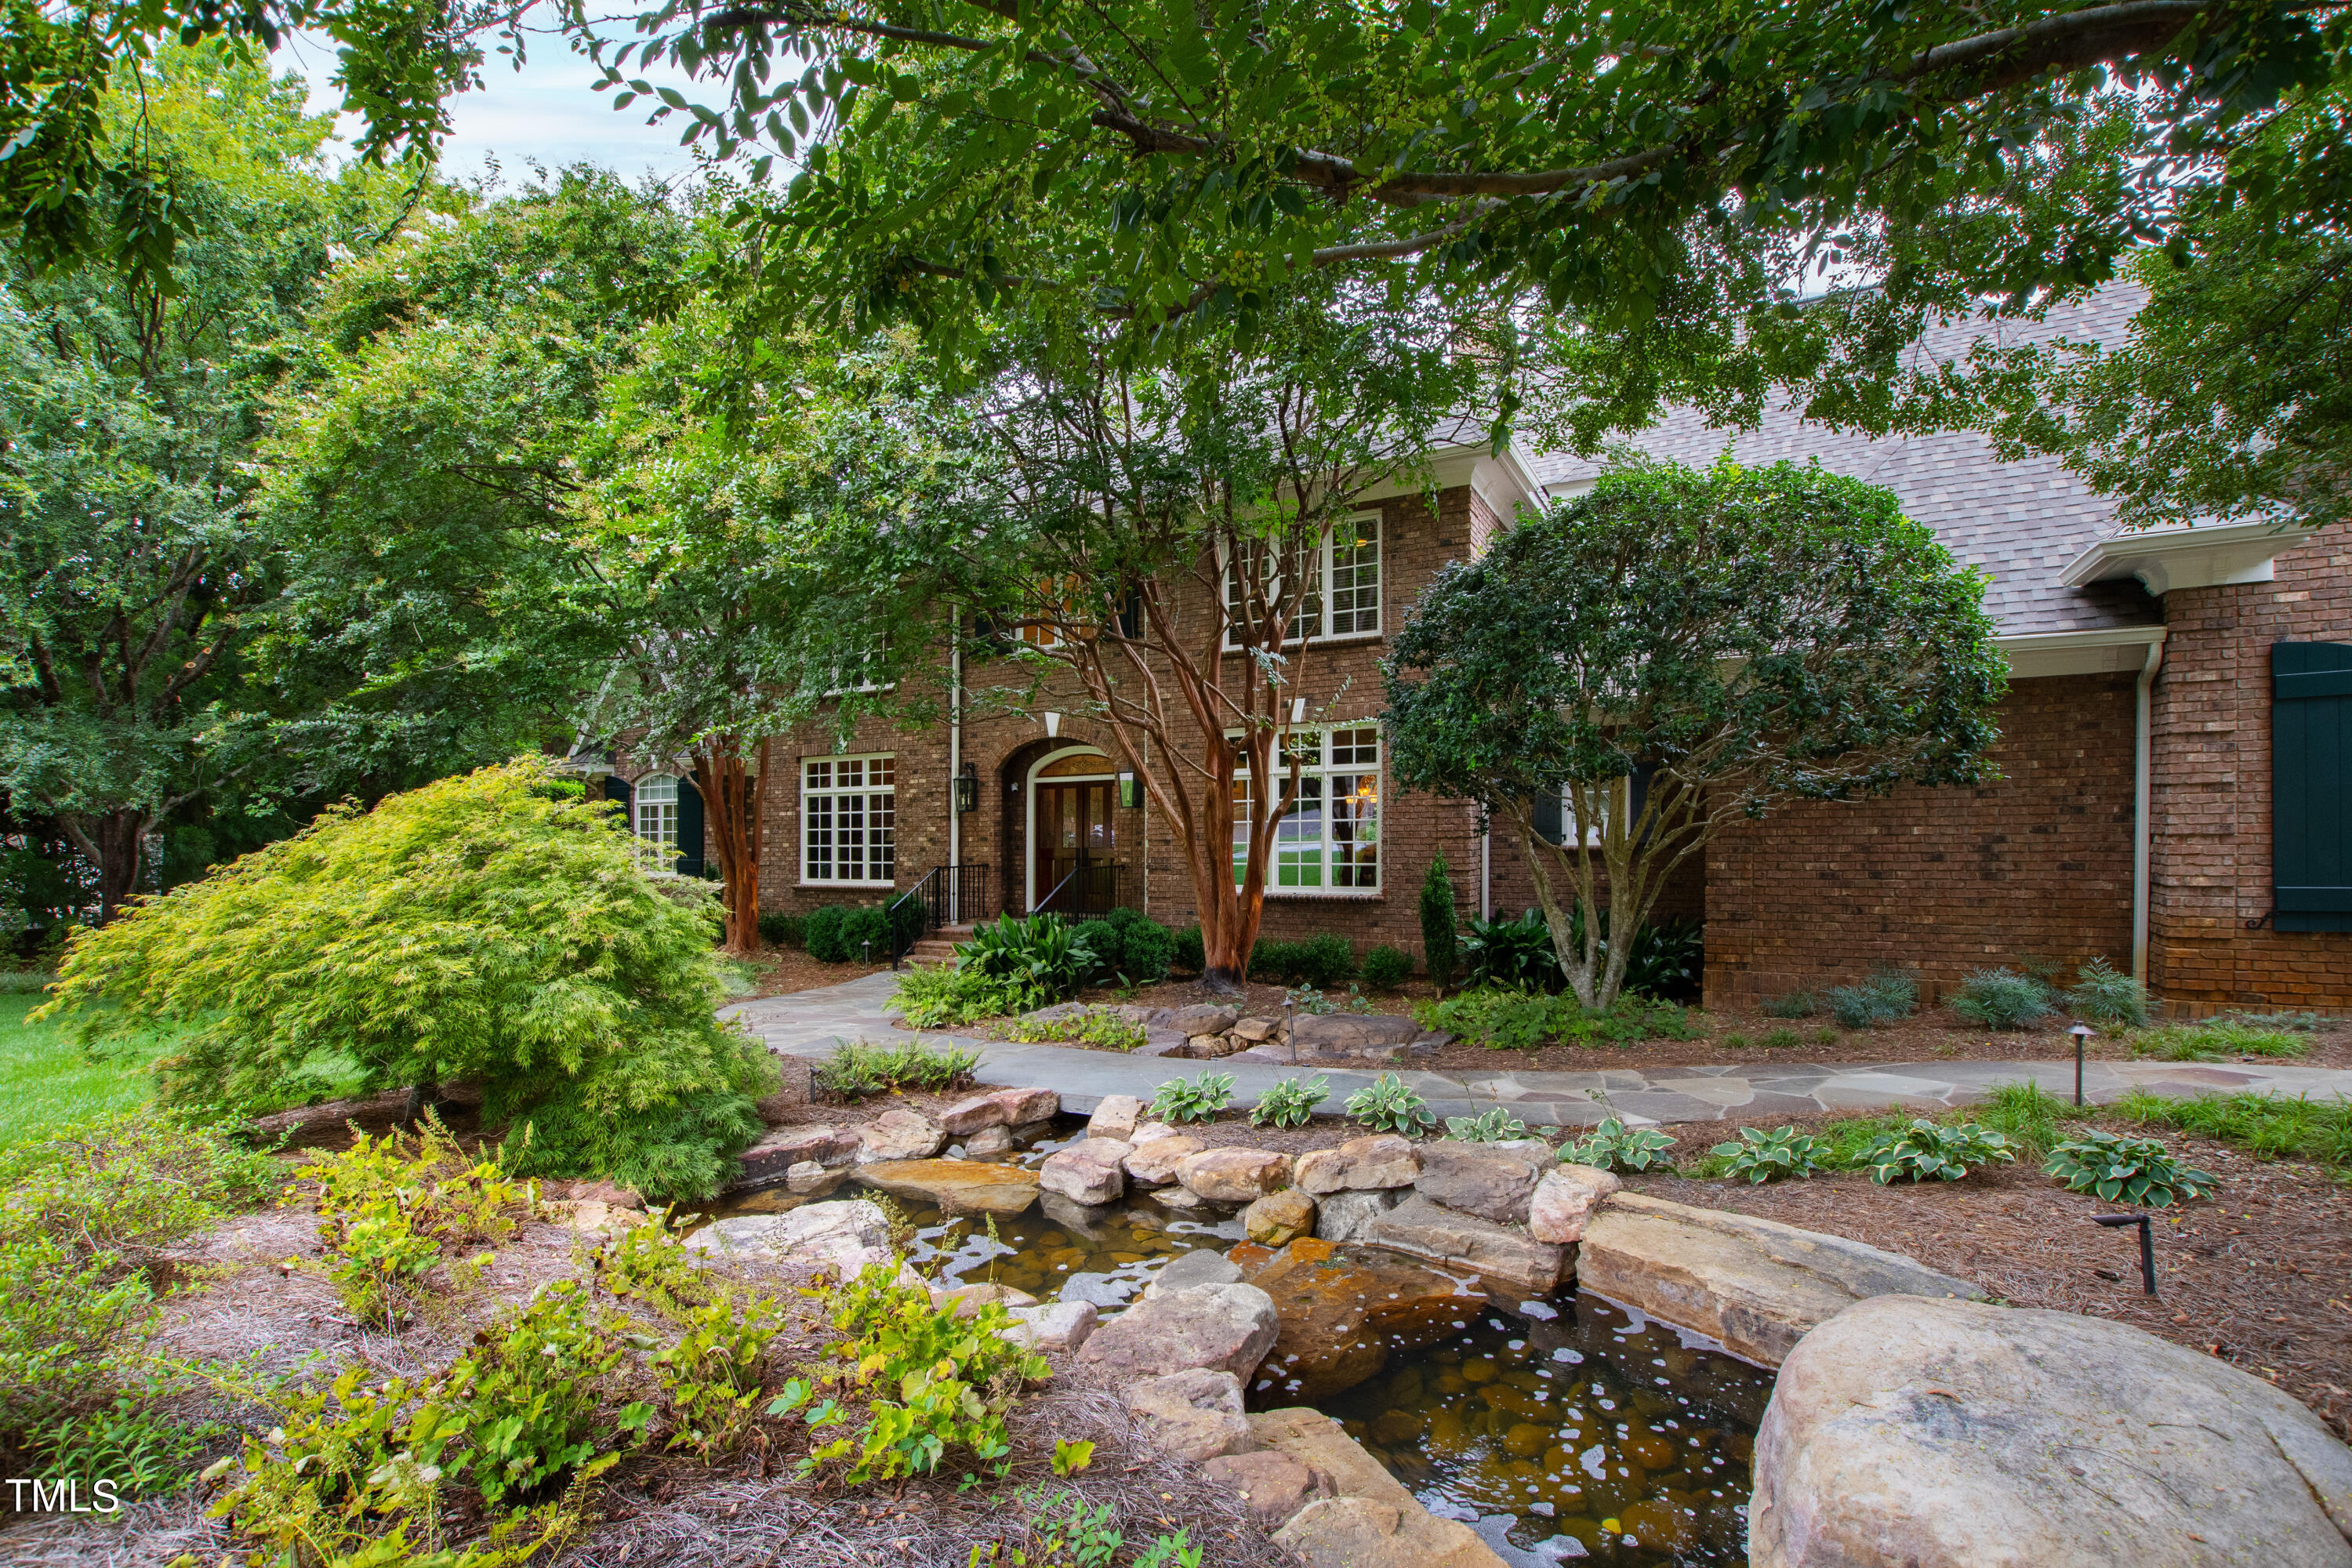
x=1099, y=884
x=947, y=895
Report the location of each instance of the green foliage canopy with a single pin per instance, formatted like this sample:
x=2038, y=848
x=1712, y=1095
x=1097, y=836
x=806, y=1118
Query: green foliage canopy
x=1743, y=637
x=492, y=927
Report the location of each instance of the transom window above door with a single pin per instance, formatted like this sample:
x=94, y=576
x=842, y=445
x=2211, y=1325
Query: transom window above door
x=1342, y=570
x=849, y=819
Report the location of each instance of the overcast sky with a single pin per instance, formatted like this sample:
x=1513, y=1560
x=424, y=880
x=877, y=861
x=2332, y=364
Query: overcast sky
x=547, y=112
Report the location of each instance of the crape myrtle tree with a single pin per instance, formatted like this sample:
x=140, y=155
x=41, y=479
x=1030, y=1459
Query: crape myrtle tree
x=1141, y=532
x=1744, y=637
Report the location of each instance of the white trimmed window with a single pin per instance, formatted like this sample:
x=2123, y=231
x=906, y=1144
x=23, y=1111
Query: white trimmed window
x=1343, y=584
x=654, y=807
x=1329, y=840
x=849, y=818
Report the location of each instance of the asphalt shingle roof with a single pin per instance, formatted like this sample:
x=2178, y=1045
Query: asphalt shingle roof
x=2022, y=522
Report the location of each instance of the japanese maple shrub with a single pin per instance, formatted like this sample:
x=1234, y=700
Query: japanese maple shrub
x=494, y=928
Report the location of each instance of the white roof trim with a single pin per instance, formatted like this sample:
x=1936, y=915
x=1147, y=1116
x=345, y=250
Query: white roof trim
x=2186, y=557
x=1503, y=483
x=2109, y=650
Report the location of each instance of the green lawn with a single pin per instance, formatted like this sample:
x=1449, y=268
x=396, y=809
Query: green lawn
x=46, y=1083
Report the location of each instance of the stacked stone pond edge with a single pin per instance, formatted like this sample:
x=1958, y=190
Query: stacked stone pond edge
x=1914, y=1422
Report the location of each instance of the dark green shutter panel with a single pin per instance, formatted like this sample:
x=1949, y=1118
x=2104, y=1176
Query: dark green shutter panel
x=690, y=828
x=617, y=788
x=1551, y=820
x=2311, y=785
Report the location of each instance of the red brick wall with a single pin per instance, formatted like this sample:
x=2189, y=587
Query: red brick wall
x=2212, y=787
x=1942, y=880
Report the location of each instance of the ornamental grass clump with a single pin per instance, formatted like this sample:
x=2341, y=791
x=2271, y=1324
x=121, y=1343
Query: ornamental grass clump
x=2002, y=999
x=495, y=928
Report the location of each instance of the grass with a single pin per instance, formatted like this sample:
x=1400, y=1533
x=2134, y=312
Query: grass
x=2214, y=1041
x=48, y=1084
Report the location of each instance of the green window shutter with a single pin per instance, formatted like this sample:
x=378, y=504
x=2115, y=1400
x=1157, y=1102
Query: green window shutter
x=1551, y=819
x=617, y=788
x=2311, y=785
x=690, y=828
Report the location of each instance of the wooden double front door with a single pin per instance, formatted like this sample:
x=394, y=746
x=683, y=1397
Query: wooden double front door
x=1077, y=828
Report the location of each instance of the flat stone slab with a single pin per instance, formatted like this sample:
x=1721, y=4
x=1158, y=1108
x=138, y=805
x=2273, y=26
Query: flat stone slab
x=963, y=1187
x=1756, y=1284
x=1370, y=1520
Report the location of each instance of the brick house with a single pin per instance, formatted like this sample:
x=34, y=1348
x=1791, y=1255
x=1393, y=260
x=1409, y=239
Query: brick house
x=2148, y=758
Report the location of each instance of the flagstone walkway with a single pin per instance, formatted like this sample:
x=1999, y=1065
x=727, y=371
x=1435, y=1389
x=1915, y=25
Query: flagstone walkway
x=812, y=1023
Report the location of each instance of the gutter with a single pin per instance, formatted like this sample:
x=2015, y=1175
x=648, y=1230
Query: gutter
x=2143, y=749
x=955, y=752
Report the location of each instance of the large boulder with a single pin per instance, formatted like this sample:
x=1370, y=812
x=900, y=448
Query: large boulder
x=1564, y=1200
x=1152, y=1162
x=1225, y=1328
x=1279, y=1218
x=1233, y=1176
x=846, y=1237
x=1420, y=1228
x=1088, y=1171
x=1198, y=1020
x=1482, y=1179
x=899, y=1134
x=959, y=1187
x=1052, y=1326
x=1188, y=1269
x=1348, y=1216
x=1344, y=1314
x=1195, y=1414
x=1274, y=1485
x=1361, y=1165
x=1373, y=1522
x=1757, y=1285
x=1349, y=1033
x=765, y=1162
x=1944, y=1433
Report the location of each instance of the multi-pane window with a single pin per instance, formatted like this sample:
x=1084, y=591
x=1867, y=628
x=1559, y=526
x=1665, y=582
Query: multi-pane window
x=1329, y=840
x=1341, y=573
x=849, y=819
x=655, y=806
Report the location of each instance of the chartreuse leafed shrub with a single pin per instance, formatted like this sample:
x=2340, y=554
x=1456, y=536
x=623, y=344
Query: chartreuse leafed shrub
x=935, y=1386
x=496, y=929
x=859, y=1068
x=393, y=1208
x=1100, y=1028
x=2002, y=999
x=81, y=1216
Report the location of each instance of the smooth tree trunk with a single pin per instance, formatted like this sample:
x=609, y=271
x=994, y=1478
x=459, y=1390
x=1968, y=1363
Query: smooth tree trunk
x=116, y=844
x=734, y=795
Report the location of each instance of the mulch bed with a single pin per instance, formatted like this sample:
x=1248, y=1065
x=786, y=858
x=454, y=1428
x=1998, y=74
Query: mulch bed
x=781, y=971
x=2260, y=1275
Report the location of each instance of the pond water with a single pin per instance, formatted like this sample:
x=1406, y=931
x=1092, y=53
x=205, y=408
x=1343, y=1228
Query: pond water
x=1569, y=1429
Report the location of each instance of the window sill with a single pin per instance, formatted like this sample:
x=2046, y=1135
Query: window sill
x=849, y=887
x=1349, y=640
x=1327, y=895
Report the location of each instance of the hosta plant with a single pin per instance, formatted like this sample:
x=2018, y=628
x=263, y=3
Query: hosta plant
x=1288, y=1103
x=2140, y=1172
x=1768, y=1156
x=1494, y=1126
x=1388, y=1104
x=1613, y=1146
x=1183, y=1100
x=1930, y=1152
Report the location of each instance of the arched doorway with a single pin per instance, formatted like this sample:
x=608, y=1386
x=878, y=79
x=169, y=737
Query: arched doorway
x=1073, y=864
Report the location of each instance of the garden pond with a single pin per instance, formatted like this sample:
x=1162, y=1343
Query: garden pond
x=1567, y=1430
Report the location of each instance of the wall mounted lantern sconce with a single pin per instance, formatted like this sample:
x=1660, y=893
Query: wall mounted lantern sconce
x=967, y=789
x=1131, y=788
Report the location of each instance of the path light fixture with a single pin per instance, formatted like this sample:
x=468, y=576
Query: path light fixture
x=1053, y=726
x=1290, y=1027
x=2147, y=1245
x=2080, y=1032
x=868, y=946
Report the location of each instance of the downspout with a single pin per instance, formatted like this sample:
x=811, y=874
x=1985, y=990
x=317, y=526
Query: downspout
x=955, y=758
x=2143, y=711
x=1486, y=871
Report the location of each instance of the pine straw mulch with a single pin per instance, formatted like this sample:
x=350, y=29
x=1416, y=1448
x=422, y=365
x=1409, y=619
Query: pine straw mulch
x=2260, y=1275
x=239, y=1305
x=781, y=971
